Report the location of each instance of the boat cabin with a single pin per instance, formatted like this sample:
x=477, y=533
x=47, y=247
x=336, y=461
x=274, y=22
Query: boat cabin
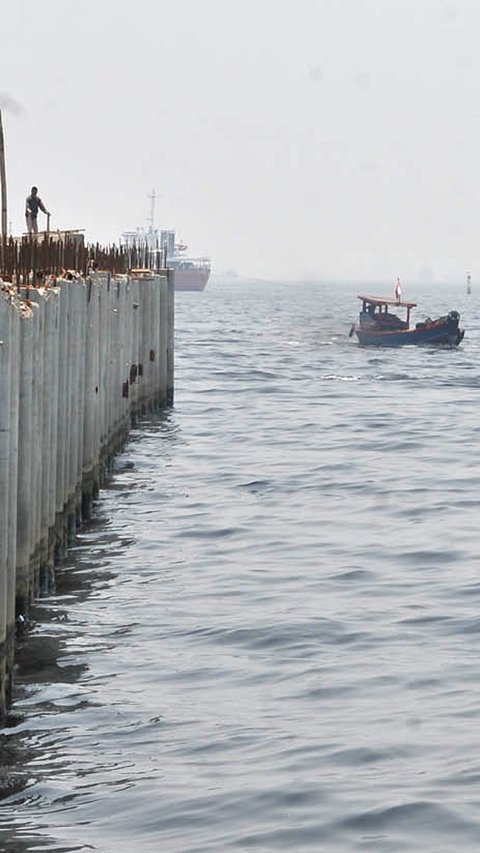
x=374, y=312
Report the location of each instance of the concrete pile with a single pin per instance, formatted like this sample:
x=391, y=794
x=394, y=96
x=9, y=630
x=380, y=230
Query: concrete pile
x=78, y=361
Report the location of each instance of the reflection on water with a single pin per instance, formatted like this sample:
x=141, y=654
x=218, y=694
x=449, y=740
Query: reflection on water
x=49, y=665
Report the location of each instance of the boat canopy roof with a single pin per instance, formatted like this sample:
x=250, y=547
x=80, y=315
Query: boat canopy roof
x=385, y=300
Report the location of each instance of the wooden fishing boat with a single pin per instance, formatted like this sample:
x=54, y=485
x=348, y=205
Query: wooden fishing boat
x=378, y=326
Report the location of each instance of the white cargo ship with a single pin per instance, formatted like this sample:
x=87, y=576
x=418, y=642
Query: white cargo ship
x=161, y=249
x=188, y=273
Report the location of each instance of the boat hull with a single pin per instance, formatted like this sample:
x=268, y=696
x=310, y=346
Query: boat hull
x=190, y=279
x=442, y=332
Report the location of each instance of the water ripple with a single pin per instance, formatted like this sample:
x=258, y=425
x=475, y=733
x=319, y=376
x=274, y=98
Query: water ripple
x=268, y=637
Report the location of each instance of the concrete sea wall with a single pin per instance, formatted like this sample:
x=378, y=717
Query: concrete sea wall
x=78, y=362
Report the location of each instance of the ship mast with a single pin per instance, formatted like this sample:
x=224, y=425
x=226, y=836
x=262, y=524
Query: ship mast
x=151, y=219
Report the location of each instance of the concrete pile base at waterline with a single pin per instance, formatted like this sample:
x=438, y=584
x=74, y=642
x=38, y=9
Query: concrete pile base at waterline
x=78, y=361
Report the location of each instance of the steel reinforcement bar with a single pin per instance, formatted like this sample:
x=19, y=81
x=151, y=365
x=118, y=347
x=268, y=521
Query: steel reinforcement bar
x=31, y=259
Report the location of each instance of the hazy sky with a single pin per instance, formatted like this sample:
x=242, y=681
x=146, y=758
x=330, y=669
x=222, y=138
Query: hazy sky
x=285, y=138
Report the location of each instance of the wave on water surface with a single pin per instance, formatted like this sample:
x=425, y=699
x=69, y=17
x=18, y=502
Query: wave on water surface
x=268, y=638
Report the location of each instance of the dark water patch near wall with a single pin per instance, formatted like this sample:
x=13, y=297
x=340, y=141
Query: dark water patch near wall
x=268, y=640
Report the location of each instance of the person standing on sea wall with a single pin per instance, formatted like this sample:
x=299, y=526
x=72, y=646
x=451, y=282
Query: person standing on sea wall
x=32, y=205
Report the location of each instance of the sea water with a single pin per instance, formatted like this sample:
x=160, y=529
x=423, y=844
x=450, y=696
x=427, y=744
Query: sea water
x=269, y=636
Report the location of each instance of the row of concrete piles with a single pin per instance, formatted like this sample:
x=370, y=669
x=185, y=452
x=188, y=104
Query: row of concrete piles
x=78, y=361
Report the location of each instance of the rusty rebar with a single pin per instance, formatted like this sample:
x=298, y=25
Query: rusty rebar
x=23, y=259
